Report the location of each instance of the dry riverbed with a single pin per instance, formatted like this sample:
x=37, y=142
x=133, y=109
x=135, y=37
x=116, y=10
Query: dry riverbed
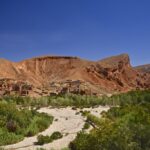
x=66, y=120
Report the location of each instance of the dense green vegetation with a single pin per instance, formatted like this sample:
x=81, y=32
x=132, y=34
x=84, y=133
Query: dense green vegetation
x=80, y=100
x=56, y=101
x=17, y=123
x=126, y=127
x=41, y=139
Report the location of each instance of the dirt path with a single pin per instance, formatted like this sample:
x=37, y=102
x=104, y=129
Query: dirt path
x=66, y=121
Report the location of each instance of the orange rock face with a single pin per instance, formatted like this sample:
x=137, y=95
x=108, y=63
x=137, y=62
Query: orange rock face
x=113, y=74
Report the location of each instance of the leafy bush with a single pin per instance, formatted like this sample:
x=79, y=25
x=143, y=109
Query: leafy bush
x=86, y=126
x=11, y=126
x=56, y=135
x=41, y=139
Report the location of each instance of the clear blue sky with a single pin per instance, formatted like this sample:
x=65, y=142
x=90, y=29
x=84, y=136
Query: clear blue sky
x=91, y=29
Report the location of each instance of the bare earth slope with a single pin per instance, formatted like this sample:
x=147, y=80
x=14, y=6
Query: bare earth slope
x=110, y=75
x=7, y=69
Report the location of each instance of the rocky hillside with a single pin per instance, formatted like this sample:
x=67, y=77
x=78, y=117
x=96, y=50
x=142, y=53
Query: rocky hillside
x=51, y=74
x=143, y=68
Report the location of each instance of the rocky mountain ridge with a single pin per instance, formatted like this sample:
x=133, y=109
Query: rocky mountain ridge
x=110, y=75
x=143, y=68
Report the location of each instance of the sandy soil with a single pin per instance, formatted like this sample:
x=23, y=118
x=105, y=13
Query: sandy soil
x=68, y=123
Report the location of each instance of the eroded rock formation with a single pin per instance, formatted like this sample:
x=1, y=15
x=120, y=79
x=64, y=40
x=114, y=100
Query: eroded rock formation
x=113, y=74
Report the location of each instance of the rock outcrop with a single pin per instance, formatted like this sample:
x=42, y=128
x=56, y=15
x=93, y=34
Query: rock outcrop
x=14, y=87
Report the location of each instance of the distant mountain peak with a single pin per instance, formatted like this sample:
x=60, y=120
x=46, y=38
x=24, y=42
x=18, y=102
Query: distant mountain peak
x=114, y=61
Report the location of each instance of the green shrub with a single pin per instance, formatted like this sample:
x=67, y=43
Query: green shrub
x=11, y=125
x=86, y=126
x=56, y=135
x=43, y=140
